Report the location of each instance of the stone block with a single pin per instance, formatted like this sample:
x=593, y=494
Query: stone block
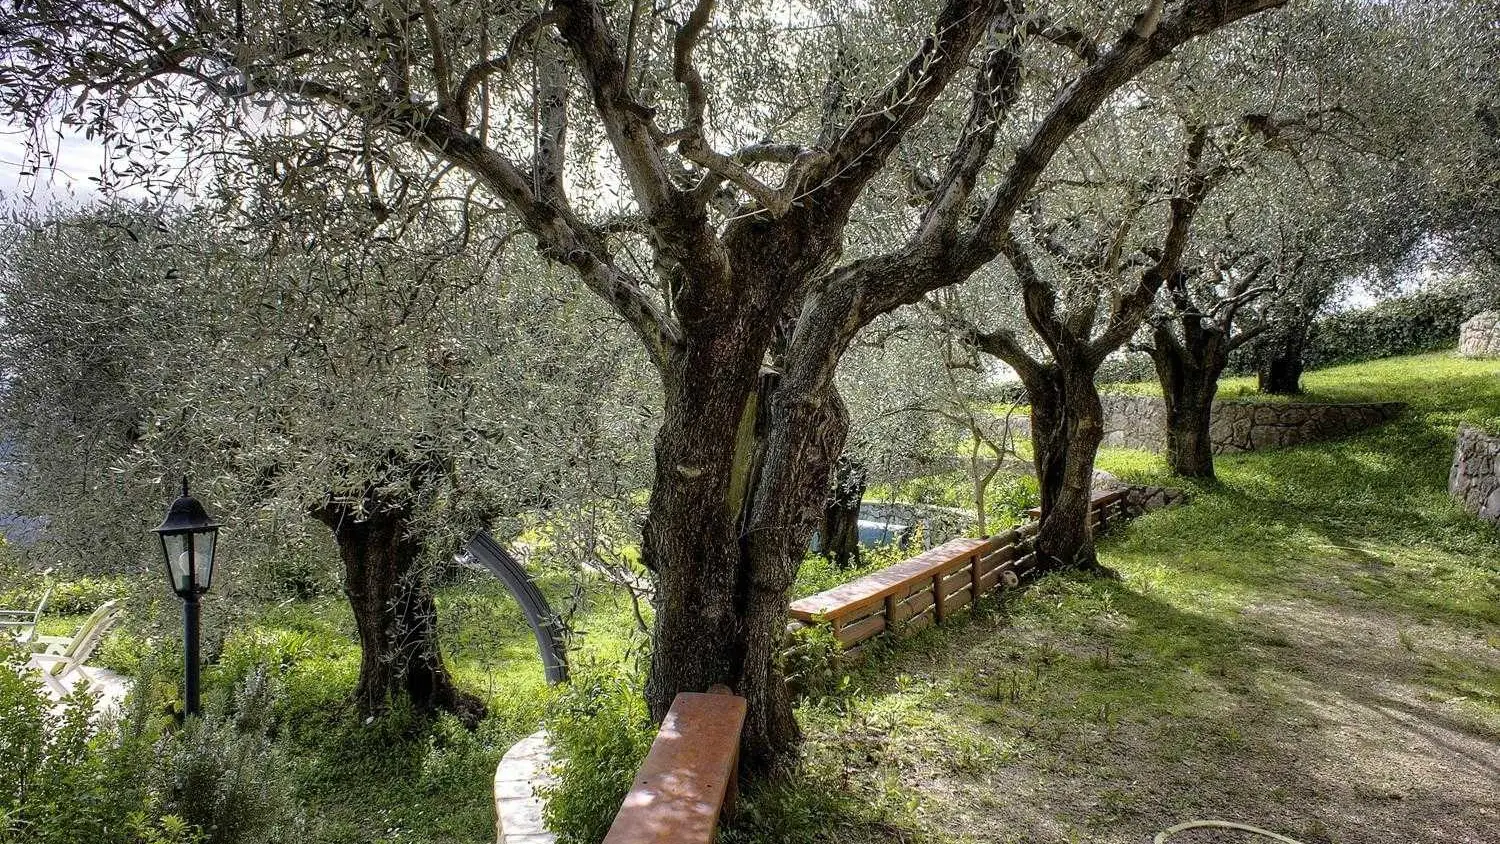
x=1479, y=337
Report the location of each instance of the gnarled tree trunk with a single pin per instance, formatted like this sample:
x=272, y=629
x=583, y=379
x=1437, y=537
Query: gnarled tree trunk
x=1067, y=426
x=1279, y=366
x=728, y=526
x=840, y=528
x=1189, y=441
x=1189, y=373
x=1281, y=375
x=394, y=614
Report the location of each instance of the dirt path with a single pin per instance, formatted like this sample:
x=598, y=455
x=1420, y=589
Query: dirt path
x=1314, y=719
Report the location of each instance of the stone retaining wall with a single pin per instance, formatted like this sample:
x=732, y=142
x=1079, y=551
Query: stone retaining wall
x=1475, y=477
x=1141, y=422
x=1480, y=336
x=1140, y=500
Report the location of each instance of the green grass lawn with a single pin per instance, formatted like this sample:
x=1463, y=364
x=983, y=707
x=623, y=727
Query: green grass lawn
x=1312, y=645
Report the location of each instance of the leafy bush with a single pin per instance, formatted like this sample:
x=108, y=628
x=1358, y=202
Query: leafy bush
x=600, y=732
x=224, y=774
x=1126, y=368
x=69, y=597
x=456, y=757
x=300, y=575
x=64, y=781
x=1008, y=499
x=810, y=661
x=1418, y=322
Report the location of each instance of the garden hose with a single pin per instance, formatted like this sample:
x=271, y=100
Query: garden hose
x=1162, y=836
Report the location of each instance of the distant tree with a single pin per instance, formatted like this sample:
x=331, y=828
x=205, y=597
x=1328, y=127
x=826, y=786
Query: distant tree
x=1327, y=195
x=84, y=322
x=1361, y=204
x=1088, y=267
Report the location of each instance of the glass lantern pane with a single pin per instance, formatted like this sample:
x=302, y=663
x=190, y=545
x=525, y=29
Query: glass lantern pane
x=203, y=557
x=176, y=547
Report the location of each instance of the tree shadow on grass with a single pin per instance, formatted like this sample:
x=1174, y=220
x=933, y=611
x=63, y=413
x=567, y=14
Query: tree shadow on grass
x=1104, y=714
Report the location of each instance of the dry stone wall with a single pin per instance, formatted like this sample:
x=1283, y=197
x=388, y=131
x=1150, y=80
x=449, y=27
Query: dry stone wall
x=1141, y=422
x=1475, y=477
x=1480, y=336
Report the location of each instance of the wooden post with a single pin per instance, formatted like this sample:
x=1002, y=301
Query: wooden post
x=890, y=613
x=974, y=578
x=937, y=597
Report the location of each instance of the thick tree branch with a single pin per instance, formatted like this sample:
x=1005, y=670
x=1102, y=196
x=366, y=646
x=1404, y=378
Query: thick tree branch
x=996, y=86
x=866, y=143
x=1151, y=38
x=1131, y=309
x=478, y=73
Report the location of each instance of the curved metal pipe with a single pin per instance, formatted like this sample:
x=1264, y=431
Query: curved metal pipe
x=549, y=630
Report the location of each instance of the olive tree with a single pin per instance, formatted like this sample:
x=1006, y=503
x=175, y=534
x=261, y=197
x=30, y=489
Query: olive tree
x=696, y=167
x=402, y=413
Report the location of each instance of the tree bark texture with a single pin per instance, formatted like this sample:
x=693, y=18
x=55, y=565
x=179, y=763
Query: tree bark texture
x=840, y=529
x=1281, y=375
x=395, y=616
x=725, y=555
x=1067, y=425
x=1189, y=370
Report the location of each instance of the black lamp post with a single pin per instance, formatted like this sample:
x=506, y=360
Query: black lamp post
x=187, y=541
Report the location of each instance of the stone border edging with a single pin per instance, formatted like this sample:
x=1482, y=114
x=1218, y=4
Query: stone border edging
x=518, y=807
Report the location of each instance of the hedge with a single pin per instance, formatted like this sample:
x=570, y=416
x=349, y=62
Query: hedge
x=1404, y=325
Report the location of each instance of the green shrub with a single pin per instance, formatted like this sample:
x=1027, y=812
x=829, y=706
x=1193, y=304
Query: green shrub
x=301, y=573
x=1126, y=368
x=810, y=661
x=61, y=779
x=69, y=597
x=1424, y=321
x=122, y=652
x=1009, y=497
x=224, y=774
x=1418, y=322
x=600, y=732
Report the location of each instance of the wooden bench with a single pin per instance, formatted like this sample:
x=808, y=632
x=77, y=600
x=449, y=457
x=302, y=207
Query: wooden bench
x=1103, y=506
x=688, y=778
x=923, y=590
x=915, y=593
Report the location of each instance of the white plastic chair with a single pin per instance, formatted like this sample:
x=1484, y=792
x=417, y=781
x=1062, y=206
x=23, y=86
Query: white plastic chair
x=22, y=623
x=60, y=658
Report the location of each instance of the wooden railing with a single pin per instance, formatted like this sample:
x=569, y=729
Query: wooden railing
x=927, y=588
x=1104, y=507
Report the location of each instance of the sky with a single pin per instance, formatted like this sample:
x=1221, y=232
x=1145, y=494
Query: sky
x=77, y=159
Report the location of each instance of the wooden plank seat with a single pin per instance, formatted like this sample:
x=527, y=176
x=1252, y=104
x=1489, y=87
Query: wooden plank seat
x=1100, y=504
x=688, y=777
x=851, y=598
